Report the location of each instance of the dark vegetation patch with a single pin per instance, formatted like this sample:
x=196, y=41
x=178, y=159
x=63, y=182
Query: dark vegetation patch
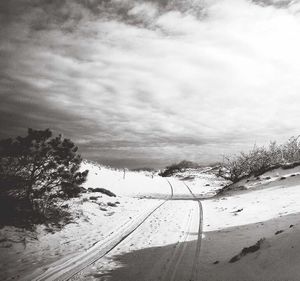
x=231, y=188
x=179, y=167
x=238, y=211
x=21, y=213
x=102, y=190
x=110, y=204
x=188, y=178
x=248, y=250
x=295, y=164
x=38, y=172
x=94, y=198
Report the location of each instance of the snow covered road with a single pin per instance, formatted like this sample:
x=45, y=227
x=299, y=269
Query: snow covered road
x=158, y=249
x=151, y=246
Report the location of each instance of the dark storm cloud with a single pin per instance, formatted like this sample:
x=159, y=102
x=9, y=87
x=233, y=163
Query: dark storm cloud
x=151, y=82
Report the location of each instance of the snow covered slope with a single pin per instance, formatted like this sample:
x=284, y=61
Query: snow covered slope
x=96, y=217
x=252, y=233
x=126, y=183
x=274, y=194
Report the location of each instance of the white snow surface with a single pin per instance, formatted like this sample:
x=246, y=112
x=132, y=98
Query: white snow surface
x=274, y=194
x=130, y=184
x=91, y=224
x=94, y=220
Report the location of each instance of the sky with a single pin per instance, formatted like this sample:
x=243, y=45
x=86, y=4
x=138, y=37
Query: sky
x=138, y=83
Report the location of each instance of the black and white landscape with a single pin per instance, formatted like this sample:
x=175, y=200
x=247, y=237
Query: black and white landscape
x=149, y=140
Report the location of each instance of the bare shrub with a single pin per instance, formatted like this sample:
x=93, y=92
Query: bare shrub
x=260, y=159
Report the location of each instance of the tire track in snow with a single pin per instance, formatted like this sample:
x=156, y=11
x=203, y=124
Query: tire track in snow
x=178, y=253
x=195, y=268
x=68, y=269
x=172, y=191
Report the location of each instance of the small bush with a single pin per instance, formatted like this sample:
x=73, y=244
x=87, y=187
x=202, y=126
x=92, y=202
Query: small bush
x=179, y=167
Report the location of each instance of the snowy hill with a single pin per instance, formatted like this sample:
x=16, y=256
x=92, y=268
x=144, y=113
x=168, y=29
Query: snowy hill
x=96, y=216
x=125, y=182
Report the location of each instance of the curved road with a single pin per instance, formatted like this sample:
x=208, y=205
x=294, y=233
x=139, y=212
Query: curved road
x=163, y=245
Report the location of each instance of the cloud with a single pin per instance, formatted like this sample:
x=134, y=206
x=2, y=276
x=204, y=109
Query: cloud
x=151, y=82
